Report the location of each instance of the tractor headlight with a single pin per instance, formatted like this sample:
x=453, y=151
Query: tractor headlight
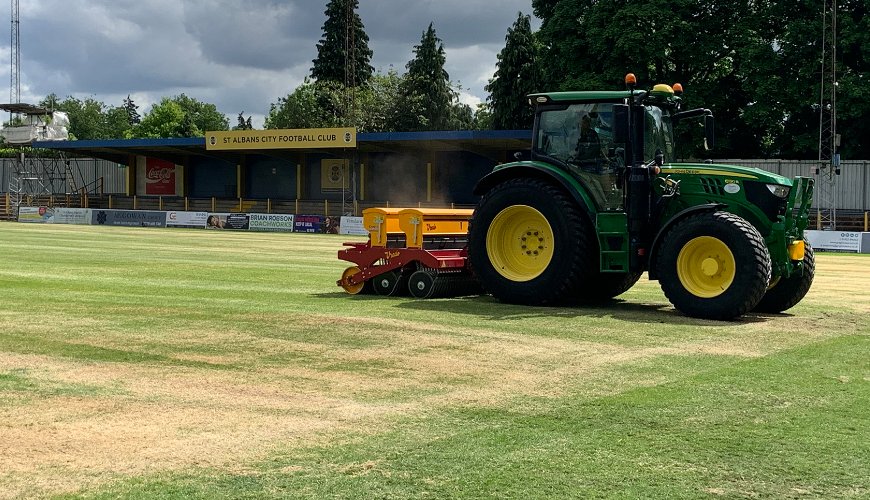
x=779, y=190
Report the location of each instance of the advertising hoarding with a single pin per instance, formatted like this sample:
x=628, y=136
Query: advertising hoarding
x=186, y=219
x=39, y=215
x=271, y=222
x=128, y=218
x=159, y=177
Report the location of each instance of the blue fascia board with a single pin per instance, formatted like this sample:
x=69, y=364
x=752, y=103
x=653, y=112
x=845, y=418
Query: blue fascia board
x=121, y=143
x=444, y=135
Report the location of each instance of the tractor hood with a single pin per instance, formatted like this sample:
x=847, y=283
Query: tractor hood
x=728, y=171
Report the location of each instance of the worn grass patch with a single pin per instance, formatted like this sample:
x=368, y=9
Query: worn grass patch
x=143, y=362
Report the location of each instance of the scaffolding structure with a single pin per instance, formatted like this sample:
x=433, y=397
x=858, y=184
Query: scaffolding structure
x=829, y=160
x=38, y=175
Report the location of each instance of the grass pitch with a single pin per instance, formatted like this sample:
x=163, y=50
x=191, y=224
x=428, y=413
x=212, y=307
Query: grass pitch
x=184, y=364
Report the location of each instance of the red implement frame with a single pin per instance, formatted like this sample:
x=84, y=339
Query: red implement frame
x=373, y=261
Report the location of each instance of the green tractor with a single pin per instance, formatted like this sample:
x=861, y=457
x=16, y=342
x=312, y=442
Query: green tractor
x=600, y=202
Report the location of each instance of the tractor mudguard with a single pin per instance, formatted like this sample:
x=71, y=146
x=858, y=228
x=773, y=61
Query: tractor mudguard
x=653, y=255
x=537, y=170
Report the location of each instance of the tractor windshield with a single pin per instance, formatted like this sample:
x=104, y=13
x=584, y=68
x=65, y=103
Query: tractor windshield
x=658, y=133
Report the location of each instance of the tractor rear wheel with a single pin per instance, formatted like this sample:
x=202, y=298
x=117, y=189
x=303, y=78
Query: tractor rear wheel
x=785, y=293
x=714, y=265
x=528, y=243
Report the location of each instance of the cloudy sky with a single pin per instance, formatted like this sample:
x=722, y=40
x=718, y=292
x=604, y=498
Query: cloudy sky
x=238, y=54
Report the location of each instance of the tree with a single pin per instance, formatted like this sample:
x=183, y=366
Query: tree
x=132, y=111
x=302, y=108
x=117, y=122
x=89, y=118
x=379, y=103
x=317, y=104
x=587, y=46
x=427, y=95
x=516, y=77
x=336, y=53
x=179, y=116
x=760, y=74
x=243, y=124
x=792, y=81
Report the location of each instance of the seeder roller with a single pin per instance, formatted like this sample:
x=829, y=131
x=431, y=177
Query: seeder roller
x=416, y=251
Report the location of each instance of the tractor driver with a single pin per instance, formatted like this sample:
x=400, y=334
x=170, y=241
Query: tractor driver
x=588, y=146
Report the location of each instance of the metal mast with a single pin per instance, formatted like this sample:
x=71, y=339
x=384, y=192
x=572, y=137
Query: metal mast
x=15, y=45
x=829, y=140
x=348, y=195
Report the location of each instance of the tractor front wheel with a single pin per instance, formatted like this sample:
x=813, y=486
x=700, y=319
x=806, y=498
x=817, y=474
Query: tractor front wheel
x=785, y=293
x=714, y=265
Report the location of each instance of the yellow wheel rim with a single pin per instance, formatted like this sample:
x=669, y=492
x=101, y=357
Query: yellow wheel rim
x=519, y=243
x=706, y=267
x=351, y=289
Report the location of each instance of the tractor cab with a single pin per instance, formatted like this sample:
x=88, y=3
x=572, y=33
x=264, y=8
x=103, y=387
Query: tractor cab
x=595, y=135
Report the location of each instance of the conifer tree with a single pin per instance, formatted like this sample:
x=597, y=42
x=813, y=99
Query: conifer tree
x=132, y=111
x=336, y=50
x=426, y=89
x=516, y=77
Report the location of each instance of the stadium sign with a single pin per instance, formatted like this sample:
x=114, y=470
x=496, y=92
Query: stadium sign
x=308, y=138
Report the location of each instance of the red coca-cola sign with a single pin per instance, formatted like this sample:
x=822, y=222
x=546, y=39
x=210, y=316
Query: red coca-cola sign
x=159, y=177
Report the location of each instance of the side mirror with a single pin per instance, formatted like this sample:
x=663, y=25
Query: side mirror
x=620, y=123
x=709, y=137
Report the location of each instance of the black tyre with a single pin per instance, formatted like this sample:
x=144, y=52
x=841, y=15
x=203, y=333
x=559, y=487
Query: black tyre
x=528, y=243
x=389, y=283
x=421, y=284
x=714, y=265
x=605, y=286
x=785, y=293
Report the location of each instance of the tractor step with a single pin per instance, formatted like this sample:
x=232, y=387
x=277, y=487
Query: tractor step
x=612, y=230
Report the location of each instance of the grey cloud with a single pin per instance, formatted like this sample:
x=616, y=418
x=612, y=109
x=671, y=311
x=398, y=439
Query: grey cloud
x=268, y=35
x=238, y=54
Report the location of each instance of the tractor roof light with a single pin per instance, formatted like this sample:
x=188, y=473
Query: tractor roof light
x=678, y=88
x=630, y=81
x=662, y=89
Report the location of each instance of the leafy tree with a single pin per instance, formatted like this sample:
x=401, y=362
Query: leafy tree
x=426, y=91
x=317, y=104
x=203, y=116
x=792, y=82
x=379, y=103
x=179, y=116
x=164, y=120
x=117, y=122
x=759, y=74
x=89, y=118
x=302, y=108
x=516, y=77
x=587, y=47
x=333, y=57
